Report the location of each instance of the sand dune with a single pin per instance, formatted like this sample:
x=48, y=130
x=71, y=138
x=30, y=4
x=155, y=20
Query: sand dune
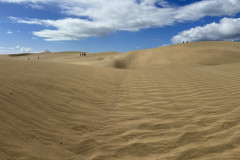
x=175, y=102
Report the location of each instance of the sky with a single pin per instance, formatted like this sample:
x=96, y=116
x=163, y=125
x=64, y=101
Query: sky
x=113, y=25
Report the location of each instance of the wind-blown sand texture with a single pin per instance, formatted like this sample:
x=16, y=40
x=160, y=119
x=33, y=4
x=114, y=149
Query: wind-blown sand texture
x=175, y=102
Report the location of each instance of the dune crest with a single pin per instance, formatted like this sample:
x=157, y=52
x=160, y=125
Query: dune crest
x=183, y=55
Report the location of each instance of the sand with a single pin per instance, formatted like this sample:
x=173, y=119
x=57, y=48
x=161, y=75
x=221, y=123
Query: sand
x=175, y=102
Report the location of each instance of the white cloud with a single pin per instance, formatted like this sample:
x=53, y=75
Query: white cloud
x=27, y=21
x=9, y=32
x=5, y=50
x=208, y=8
x=35, y=6
x=16, y=49
x=226, y=29
x=102, y=17
x=22, y=49
x=25, y=49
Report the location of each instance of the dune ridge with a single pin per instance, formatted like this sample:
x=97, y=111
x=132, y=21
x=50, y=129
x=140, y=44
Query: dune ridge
x=182, y=103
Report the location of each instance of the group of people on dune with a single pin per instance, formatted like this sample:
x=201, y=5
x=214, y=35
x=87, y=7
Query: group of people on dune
x=83, y=54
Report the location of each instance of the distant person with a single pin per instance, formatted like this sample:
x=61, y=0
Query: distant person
x=38, y=57
x=183, y=42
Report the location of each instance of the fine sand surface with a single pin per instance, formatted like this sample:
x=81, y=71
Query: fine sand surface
x=176, y=102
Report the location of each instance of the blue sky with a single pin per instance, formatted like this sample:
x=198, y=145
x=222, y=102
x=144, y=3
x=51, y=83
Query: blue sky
x=117, y=25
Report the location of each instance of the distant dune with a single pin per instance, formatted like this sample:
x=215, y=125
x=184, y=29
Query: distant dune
x=174, y=102
x=20, y=54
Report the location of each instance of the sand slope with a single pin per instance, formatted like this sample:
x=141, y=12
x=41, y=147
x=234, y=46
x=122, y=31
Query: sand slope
x=183, y=56
x=181, y=102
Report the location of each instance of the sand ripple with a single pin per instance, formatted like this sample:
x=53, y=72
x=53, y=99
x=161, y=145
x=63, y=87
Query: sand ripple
x=69, y=112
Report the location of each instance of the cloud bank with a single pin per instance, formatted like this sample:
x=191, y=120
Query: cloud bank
x=16, y=49
x=226, y=29
x=101, y=17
